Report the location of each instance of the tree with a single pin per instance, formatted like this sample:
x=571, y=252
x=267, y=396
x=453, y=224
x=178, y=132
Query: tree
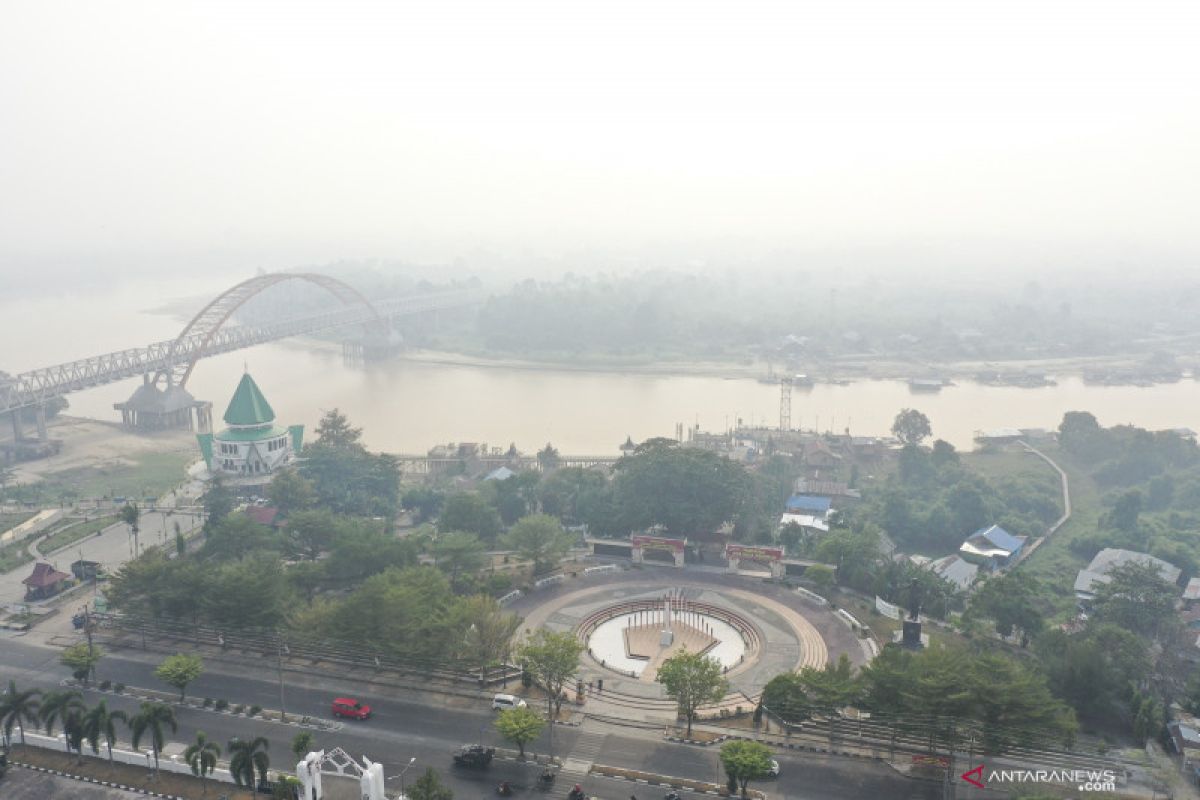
x=1124, y=513
x=334, y=430
x=1012, y=601
x=218, y=503
x=290, y=492
x=179, y=670
x=429, y=787
x=423, y=503
x=911, y=427
x=552, y=659
x=820, y=576
x=302, y=744
x=520, y=725
x=130, y=515
x=489, y=632
x=246, y=757
x=684, y=489
x=786, y=697
x=153, y=719
x=692, y=680
x=310, y=533
x=98, y=722
x=81, y=659
x=201, y=756
x=1137, y=598
x=456, y=552
x=548, y=458
x=60, y=706
x=746, y=761
x=19, y=708
x=469, y=513
x=541, y=539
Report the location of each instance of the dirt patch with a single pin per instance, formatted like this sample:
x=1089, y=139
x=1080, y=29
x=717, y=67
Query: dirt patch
x=167, y=783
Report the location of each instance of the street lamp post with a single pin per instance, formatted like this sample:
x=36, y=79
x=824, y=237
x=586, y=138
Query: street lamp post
x=283, y=648
x=411, y=761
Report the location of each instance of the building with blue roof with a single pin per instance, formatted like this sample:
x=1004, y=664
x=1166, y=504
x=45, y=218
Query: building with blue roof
x=808, y=504
x=992, y=547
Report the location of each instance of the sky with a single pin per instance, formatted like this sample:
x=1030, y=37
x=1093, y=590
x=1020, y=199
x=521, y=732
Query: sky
x=175, y=136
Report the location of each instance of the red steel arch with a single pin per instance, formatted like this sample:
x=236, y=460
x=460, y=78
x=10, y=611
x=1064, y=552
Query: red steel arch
x=210, y=319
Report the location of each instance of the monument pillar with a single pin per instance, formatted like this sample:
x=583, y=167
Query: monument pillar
x=733, y=563
x=638, y=556
x=679, y=560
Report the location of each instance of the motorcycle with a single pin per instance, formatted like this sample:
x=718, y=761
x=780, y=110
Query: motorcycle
x=672, y=796
x=576, y=793
x=504, y=790
x=546, y=778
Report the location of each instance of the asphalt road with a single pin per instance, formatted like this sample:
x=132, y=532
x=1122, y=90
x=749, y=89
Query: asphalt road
x=403, y=728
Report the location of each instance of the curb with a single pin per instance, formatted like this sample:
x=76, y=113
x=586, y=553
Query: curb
x=807, y=748
x=96, y=781
x=699, y=743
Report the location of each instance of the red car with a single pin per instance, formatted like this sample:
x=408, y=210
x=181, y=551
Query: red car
x=348, y=707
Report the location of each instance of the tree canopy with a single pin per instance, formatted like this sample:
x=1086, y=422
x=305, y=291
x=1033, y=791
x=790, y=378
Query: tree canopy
x=685, y=489
x=692, y=680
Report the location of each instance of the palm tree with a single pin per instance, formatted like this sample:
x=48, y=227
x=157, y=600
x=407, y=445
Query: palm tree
x=66, y=707
x=102, y=722
x=202, y=757
x=151, y=719
x=18, y=708
x=247, y=757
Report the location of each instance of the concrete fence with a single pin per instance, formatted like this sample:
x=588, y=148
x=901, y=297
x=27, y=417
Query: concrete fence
x=812, y=597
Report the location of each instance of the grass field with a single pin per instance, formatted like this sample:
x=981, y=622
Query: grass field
x=150, y=475
x=1054, y=564
x=10, y=521
x=13, y=555
x=73, y=533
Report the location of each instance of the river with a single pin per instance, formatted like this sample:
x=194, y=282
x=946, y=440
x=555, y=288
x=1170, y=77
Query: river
x=407, y=405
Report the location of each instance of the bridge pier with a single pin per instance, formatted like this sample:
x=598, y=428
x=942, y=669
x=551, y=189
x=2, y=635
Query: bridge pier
x=151, y=408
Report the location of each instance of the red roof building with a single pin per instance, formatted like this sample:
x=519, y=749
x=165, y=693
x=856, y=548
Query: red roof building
x=44, y=582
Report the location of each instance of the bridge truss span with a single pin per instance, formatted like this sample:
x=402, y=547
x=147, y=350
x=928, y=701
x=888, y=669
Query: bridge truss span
x=208, y=334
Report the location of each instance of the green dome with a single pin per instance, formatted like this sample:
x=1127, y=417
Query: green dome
x=248, y=406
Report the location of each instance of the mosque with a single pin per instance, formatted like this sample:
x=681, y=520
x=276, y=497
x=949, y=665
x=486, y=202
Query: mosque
x=252, y=447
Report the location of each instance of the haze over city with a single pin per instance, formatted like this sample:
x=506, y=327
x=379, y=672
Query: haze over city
x=420, y=401
x=997, y=137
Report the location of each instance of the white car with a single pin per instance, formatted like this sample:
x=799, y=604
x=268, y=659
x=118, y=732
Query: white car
x=505, y=701
x=774, y=770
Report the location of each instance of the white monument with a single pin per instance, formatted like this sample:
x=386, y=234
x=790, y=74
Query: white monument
x=371, y=781
x=308, y=772
x=667, y=637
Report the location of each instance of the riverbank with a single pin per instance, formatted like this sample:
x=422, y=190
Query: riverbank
x=865, y=367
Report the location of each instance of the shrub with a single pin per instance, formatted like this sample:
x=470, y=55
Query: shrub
x=255, y=710
x=105, y=685
x=238, y=708
x=120, y=687
x=208, y=701
x=222, y=704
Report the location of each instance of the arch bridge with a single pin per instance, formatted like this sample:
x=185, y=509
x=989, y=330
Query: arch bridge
x=166, y=366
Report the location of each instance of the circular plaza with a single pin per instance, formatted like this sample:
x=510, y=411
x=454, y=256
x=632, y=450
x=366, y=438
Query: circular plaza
x=631, y=620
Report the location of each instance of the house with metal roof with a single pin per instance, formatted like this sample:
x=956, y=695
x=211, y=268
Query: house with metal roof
x=956, y=570
x=992, y=547
x=1096, y=573
x=808, y=504
x=252, y=447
